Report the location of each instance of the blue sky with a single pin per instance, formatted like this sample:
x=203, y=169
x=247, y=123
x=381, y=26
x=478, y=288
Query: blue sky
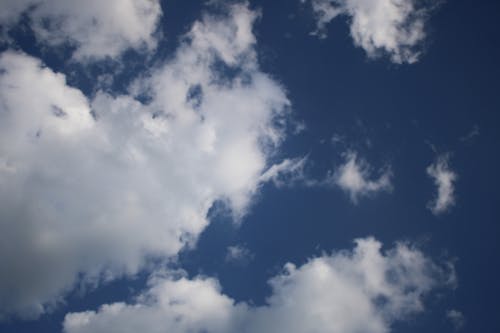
x=261, y=166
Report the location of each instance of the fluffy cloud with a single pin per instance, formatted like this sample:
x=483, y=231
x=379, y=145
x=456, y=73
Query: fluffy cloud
x=91, y=188
x=393, y=27
x=444, y=179
x=354, y=178
x=97, y=29
x=364, y=290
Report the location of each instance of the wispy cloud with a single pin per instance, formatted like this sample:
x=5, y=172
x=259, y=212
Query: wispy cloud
x=469, y=137
x=239, y=254
x=287, y=172
x=456, y=318
x=380, y=27
x=444, y=179
x=355, y=177
x=97, y=29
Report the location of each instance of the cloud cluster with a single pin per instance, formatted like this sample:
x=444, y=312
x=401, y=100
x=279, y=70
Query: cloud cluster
x=97, y=29
x=393, y=27
x=364, y=290
x=91, y=188
x=354, y=176
x=444, y=178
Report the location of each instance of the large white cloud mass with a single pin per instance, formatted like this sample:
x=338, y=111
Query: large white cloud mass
x=394, y=27
x=97, y=29
x=364, y=290
x=91, y=188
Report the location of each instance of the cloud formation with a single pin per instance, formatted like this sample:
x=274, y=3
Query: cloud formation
x=354, y=175
x=238, y=254
x=392, y=27
x=456, y=318
x=90, y=188
x=444, y=179
x=287, y=173
x=364, y=290
x=97, y=29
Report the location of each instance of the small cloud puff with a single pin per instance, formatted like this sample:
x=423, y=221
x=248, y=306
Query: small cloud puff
x=286, y=173
x=444, y=178
x=238, y=254
x=354, y=178
x=456, y=318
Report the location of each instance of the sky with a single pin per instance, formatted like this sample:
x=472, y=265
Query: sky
x=260, y=166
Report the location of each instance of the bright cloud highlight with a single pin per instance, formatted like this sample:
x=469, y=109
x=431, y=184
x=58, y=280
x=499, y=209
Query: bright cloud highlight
x=91, y=188
x=363, y=290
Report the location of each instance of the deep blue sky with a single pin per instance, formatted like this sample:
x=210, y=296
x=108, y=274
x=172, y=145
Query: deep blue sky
x=403, y=115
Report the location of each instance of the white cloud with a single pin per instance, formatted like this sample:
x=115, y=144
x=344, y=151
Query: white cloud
x=364, y=290
x=456, y=318
x=354, y=178
x=170, y=305
x=393, y=27
x=238, y=254
x=97, y=28
x=91, y=188
x=325, y=11
x=445, y=179
x=287, y=172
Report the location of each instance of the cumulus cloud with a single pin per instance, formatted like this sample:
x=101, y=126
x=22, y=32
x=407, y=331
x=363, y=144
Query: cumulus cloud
x=354, y=175
x=90, y=188
x=392, y=27
x=444, y=178
x=97, y=29
x=364, y=290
